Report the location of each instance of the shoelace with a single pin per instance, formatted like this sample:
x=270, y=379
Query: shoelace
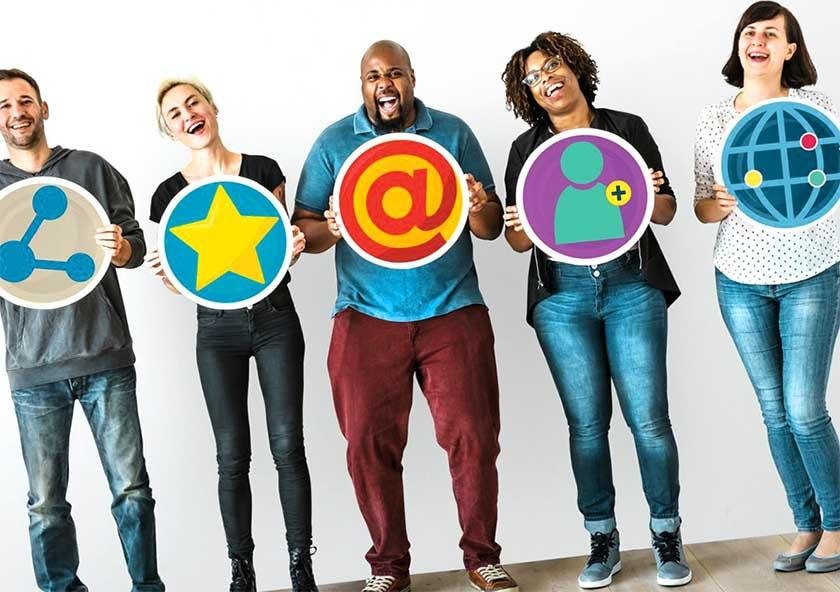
x=240, y=574
x=300, y=568
x=378, y=583
x=667, y=545
x=492, y=573
x=600, y=545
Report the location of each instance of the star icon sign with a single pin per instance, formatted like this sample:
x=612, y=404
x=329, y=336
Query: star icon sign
x=225, y=241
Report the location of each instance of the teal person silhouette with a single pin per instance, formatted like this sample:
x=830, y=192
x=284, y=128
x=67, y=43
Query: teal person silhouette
x=584, y=214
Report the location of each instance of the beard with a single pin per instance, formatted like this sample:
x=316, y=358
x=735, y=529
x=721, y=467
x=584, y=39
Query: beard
x=397, y=124
x=27, y=141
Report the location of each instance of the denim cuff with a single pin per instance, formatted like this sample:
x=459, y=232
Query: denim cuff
x=658, y=525
x=605, y=526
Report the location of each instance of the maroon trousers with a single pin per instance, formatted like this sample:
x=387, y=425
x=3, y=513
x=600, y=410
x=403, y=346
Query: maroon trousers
x=372, y=364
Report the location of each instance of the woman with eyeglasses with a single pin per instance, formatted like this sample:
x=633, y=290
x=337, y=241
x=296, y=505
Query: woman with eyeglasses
x=269, y=331
x=779, y=292
x=602, y=324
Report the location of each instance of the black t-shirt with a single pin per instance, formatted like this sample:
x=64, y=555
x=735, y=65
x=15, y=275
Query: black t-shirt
x=261, y=169
x=633, y=129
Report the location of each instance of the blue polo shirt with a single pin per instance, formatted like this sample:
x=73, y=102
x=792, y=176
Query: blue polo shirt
x=446, y=284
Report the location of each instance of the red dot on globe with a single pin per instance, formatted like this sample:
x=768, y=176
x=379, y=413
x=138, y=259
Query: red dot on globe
x=808, y=141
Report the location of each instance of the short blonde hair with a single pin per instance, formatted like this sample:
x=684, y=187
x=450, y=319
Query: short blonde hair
x=168, y=85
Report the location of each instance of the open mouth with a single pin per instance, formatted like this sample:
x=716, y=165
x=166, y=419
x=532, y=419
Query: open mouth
x=20, y=125
x=758, y=57
x=554, y=89
x=196, y=127
x=388, y=104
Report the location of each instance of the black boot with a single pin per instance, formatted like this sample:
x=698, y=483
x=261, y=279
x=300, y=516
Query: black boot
x=242, y=575
x=300, y=570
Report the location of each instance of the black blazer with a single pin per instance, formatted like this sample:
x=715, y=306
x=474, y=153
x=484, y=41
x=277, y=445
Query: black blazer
x=633, y=129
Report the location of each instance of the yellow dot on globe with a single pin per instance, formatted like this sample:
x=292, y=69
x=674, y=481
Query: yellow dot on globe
x=753, y=178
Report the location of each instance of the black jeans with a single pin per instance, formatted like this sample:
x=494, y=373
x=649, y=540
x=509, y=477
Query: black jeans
x=270, y=332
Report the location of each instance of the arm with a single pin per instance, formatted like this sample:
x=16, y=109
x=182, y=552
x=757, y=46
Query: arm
x=122, y=239
x=321, y=231
x=485, y=217
x=712, y=203
x=665, y=204
x=298, y=236
x=714, y=209
x=514, y=235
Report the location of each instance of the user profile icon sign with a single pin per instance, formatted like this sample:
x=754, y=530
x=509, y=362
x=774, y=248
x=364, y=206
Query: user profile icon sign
x=48, y=255
x=585, y=196
x=401, y=201
x=781, y=160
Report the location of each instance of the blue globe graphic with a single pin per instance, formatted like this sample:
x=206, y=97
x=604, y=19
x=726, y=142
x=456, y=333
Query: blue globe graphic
x=781, y=161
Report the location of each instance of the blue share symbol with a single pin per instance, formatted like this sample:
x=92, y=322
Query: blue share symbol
x=18, y=260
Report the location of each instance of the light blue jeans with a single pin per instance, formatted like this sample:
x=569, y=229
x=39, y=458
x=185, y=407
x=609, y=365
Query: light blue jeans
x=44, y=415
x=785, y=336
x=604, y=324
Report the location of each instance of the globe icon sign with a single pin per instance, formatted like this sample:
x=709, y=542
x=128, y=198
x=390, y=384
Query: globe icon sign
x=781, y=161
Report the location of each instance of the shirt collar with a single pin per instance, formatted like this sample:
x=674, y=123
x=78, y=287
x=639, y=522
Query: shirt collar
x=422, y=121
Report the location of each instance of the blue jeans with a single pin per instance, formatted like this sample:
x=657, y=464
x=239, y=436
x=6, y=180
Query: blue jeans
x=785, y=336
x=605, y=323
x=44, y=415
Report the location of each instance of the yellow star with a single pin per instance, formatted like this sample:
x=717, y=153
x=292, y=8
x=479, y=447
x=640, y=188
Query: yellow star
x=225, y=241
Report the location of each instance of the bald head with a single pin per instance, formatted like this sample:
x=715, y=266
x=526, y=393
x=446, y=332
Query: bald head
x=388, y=47
x=388, y=86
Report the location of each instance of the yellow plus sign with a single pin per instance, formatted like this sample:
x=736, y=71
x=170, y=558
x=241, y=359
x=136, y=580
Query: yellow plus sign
x=618, y=193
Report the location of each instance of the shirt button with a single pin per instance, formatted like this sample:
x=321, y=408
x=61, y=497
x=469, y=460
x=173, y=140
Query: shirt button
x=594, y=266
x=596, y=273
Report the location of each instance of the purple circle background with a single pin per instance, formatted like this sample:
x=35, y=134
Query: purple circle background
x=545, y=181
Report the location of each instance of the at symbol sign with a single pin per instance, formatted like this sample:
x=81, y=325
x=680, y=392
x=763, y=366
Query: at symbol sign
x=401, y=201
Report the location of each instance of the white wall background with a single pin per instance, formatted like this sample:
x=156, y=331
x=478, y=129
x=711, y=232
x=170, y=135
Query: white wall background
x=281, y=73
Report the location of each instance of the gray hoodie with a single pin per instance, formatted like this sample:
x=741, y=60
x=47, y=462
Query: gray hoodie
x=91, y=335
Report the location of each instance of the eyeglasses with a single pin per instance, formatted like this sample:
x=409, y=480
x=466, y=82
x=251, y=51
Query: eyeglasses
x=532, y=78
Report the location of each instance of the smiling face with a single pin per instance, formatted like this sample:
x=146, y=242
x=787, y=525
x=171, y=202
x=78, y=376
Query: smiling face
x=22, y=114
x=190, y=118
x=388, y=87
x=763, y=48
x=557, y=92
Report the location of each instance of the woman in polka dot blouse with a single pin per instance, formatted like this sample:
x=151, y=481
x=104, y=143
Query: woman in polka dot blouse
x=779, y=291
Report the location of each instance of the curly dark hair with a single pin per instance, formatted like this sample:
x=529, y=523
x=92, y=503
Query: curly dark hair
x=518, y=97
x=797, y=72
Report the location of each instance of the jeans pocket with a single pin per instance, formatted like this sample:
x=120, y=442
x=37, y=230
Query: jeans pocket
x=207, y=317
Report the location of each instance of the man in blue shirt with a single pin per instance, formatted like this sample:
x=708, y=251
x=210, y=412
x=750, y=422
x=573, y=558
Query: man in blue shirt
x=393, y=324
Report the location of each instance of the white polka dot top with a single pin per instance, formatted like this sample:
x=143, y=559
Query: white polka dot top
x=744, y=252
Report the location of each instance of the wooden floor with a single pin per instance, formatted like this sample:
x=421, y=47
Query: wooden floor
x=728, y=566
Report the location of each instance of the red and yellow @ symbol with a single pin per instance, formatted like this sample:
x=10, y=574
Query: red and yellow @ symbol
x=401, y=202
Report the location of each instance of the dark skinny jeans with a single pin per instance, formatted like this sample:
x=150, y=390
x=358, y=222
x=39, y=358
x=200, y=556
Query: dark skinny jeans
x=271, y=333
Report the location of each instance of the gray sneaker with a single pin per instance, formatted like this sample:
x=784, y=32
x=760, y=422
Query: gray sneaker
x=671, y=566
x=603, y=563
x=816, y=564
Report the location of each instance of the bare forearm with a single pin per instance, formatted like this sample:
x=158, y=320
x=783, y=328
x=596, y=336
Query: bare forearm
x=708, y=212
x=318, y=236
x=518, y=240
x=487, y=224
x=664, y=209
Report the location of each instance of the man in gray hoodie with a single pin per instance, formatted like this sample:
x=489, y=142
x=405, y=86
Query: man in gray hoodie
x=82, y=352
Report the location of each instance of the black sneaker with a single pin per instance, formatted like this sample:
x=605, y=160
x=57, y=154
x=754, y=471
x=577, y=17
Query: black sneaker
x=242, y=575
x=300, y=570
